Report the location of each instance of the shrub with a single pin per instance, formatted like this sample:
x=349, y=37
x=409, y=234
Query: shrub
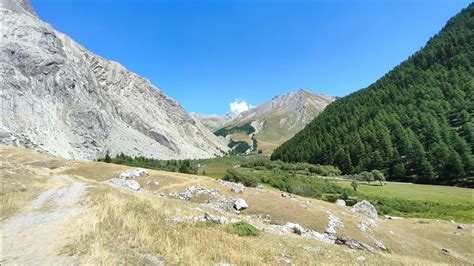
x=243, y=228
x=350, y=201
x=332, y=197
x=354, y=184
x=297, y=231
x=233, y=175
x=378, y=176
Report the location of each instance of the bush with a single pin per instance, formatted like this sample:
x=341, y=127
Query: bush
x=233, y=175
x=350, y=201
x=243, y=228
x=324, y=170
x=332, y=197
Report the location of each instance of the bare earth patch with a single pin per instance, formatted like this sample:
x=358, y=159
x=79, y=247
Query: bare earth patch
x=32, y=237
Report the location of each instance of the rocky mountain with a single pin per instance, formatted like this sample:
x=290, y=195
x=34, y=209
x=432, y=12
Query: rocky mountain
x=60, y=98
x=212, y=122
x=274, y=121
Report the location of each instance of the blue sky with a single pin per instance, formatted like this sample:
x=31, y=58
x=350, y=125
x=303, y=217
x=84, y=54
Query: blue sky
x=207, y=54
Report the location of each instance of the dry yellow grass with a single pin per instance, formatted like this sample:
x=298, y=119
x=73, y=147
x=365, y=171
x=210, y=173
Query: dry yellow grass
x=120, y=227
x=23, y=176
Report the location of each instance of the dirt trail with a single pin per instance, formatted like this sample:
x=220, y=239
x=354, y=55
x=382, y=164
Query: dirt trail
x=32, y=237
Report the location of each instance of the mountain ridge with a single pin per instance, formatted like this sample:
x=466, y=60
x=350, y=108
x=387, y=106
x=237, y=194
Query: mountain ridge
x=274, y=121
x=65, y=100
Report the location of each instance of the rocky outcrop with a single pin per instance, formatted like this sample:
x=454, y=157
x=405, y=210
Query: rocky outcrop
x=134, y=173
x=366, y=208
x=62, y=99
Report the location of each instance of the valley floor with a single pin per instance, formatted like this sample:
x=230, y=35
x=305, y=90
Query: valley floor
x=61, y=212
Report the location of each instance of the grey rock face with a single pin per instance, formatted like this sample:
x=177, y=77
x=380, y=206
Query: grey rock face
x=62, y=99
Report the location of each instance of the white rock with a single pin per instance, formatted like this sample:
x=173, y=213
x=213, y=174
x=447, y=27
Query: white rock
x=366, y=208
x=393, y=217
x=237, y=189
x=132, y=184
x=340, y=202
x=294, y=227
x=240, y=204
x=134, y=173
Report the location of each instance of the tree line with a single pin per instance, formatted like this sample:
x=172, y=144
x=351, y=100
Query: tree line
x=416, y=123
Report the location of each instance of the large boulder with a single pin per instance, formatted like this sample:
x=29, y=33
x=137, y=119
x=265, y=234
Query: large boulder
x=134, y=173
x=340, y=202
x=237, y=189
x=240, y=204
x=366, y=208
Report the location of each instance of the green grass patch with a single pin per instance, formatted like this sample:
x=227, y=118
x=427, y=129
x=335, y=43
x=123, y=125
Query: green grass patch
x=243, y=228
x=417, y=200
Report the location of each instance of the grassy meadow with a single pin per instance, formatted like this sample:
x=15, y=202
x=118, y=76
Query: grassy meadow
x=322, y=182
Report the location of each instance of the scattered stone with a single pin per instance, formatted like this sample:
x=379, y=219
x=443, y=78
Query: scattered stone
x=461, y=227
x=216, y=219
x=288, y=195
x=334, y=223
x=379, y=244
x=132, y=184
x=240, y=204
x=367, y=225
x=192, y=191
x=313, y=249
x=260, y=186
x=222, y=204
x=154, y=260
x=393, y=217
x=366, y=208
x=134, y=173
x=447, y=251
x=224, y=264
x=293, y=227
x=340, y=202
x=156, y=183
x=354, y=244
x=361, y=258
x=122, y=183
x=237, y=189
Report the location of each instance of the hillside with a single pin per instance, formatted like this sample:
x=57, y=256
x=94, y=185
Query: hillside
x=416, y=123
x=74, y=212
x=212, y=122
x=273, y=122
x=62, y=99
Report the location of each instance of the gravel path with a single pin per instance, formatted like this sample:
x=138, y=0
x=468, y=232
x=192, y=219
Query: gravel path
x=32, y=237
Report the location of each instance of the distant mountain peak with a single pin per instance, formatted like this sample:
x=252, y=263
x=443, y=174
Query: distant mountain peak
x=275, y=120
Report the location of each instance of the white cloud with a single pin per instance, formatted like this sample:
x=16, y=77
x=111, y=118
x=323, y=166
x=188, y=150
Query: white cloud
x=239, y=106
